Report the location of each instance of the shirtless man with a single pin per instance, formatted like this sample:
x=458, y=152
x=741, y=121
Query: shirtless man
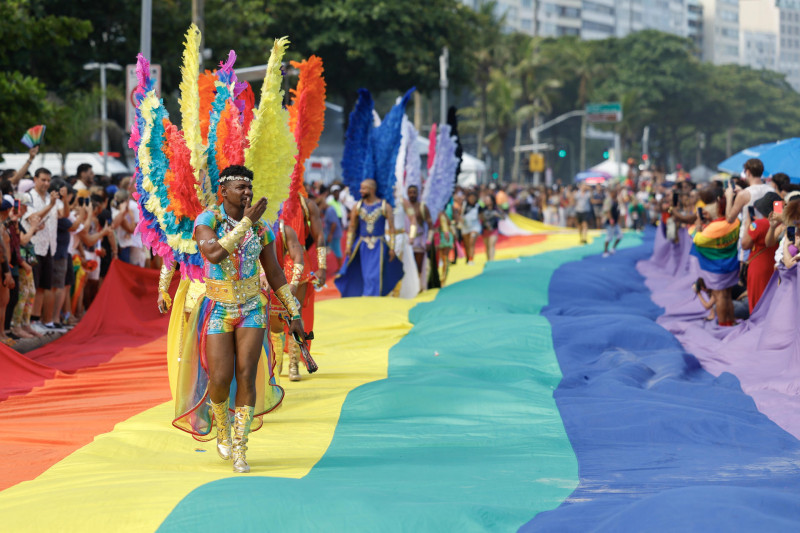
x=420, y=226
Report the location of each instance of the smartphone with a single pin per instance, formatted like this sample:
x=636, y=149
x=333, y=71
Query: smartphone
x=674, y=199
x=16, y=205
x=700, y=214
x=790, y=233
x=777, y=207
x=752, y=210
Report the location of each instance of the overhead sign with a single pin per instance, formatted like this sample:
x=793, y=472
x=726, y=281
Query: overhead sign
x=130, y=87
x=607, y=113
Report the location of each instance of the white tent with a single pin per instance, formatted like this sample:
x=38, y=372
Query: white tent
x=618, y=170
x=701, y=174
x=53, y=163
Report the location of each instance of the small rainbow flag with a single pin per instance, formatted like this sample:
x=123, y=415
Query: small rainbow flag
x=34, y=136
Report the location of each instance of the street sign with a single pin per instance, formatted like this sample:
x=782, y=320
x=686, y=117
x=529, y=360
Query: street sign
x=130, y=87
x=536, y=163
x=607, y=113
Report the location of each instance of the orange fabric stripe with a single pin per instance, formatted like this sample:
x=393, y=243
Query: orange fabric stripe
x=68, y=411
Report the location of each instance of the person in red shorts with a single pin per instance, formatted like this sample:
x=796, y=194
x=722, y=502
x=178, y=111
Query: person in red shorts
x=760, y=265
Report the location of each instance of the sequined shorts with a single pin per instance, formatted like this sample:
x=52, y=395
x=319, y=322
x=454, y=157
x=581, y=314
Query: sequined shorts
x=225, y=318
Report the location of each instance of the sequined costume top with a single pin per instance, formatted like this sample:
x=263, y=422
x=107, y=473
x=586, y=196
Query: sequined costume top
x=243, y=262
x=371, y=223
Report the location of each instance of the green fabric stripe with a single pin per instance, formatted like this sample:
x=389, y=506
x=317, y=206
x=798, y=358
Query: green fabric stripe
x=469, y=440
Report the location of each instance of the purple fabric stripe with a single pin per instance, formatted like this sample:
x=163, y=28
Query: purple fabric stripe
x=762, y=352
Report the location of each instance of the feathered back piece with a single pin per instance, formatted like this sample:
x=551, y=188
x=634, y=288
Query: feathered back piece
x=272, y=148
x=306, y=120
x=412, y=164
x=431, y=146
x=407, y=170
x=383, y=149
x=356, y=143
x=441, y=178
x=177, y=171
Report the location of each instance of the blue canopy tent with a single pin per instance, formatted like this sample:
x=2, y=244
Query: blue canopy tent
x=782, y=156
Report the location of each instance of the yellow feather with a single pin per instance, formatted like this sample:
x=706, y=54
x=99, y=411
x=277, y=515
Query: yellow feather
x=190, y=109
x=272, y=150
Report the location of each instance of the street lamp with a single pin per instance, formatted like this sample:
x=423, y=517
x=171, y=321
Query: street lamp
x=103, y=107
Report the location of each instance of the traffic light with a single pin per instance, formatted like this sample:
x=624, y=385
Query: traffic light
x=494, y=175
x=645, y=157
x=605, y=154
x=562, y=153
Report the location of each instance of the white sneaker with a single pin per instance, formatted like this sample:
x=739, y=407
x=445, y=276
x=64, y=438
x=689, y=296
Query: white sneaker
x=613, y=251
x=39, y=328
x=606, y=254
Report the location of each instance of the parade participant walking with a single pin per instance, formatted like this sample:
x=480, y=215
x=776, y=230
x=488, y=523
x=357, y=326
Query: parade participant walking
x=584, y=212
x=178, y=184
x=611, y=213
x=232, y=246
x=371, y=267
x=420, y=230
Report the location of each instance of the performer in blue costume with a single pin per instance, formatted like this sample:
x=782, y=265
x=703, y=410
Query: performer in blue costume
x=371, y=268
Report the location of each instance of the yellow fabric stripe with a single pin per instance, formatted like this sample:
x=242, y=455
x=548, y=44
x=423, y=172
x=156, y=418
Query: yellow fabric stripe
x=131, y=478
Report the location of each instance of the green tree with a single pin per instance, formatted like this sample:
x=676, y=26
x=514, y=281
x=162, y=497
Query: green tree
x=381, y=45
x=23, y=98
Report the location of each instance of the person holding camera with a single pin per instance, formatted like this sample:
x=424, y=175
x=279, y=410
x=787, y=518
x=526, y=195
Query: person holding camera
x=45, y=207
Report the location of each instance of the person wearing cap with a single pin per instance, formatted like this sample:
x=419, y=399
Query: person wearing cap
x=759, y=264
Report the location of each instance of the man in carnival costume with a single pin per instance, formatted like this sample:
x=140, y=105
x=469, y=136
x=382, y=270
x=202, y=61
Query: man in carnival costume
x=300, y=221
x=369, y=167
x=204, y=220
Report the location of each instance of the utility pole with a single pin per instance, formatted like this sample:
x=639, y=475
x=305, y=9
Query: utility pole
x=443, y=64
x=145, y=36
x=103, y=107
x=199, y=20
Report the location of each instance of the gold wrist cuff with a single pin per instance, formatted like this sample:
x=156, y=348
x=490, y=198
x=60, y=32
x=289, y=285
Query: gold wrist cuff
x=391, y=242
x=284, y=294
x=412, y=232
x=430, y=235
x=322, y=257
x=232, y=239
x=165, y=278
x=297, y=271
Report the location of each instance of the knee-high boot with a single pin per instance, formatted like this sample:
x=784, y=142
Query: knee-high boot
x=223, y=422
x=294, y=356
x=241, y=429
x=277, y=346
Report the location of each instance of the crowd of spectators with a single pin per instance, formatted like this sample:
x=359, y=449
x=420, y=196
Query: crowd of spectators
x=59, y=236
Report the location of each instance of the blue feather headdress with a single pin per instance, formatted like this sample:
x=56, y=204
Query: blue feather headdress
x=356, y=143
x=383, y=149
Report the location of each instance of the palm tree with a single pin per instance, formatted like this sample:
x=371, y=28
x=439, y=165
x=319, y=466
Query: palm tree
x=485, y=57
x=536, y=90
x=586, y=69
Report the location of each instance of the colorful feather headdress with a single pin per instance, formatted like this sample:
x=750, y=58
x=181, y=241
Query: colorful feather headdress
x=306, y=120
x=177, y=171
x=441, y=178
x=371, y=151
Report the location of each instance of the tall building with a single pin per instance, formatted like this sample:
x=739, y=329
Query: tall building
x=721, y=31
x=591, y=19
